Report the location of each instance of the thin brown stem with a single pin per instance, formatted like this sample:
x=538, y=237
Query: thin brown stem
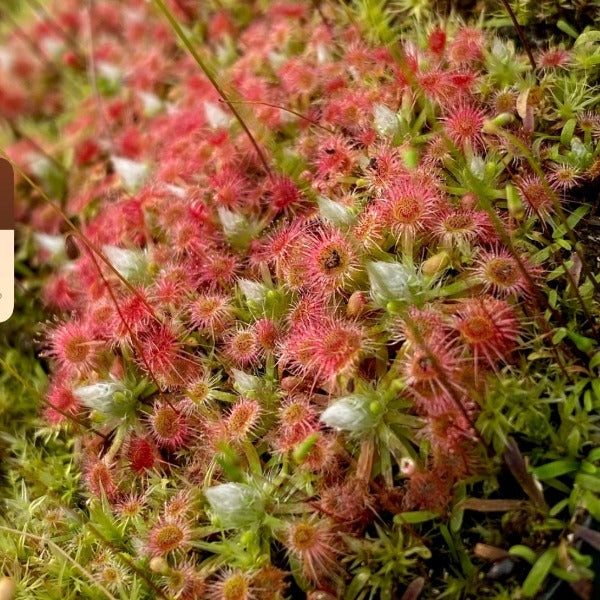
x=207, y=72
x=450, y=387
x=293, y=112
x=520, y=33
x=134, y=339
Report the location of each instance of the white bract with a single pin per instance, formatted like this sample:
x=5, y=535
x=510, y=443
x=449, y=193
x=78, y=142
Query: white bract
x=54, y=245
x=350, y=413
x=386, y=120
x=389, y=281
x=99, y=396
x=217, y=118
x=234, y=504
x=334, y=212
x=132, y=173
x=130, y=264
x=253, y=290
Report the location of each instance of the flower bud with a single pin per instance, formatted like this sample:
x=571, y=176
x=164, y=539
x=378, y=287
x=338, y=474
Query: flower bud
x=40, y=165
x=436, y=263
x=110, y=73
x=357, y=304
x=234, y=504
x=514, y=203
x=159, y=565
x=477, y=167
x=468, y=201
x=109, y=398
x=245, y=383
x=375, y=407
x=217, y=118
x=233, y=223
x=407, y=466
x=492, y=125
x=397, y=385
x=151, y=103
x=8, y=587
x=255, y=291
x=53, y=245
x=302, y=450
x=410, y=157
x=237, y=228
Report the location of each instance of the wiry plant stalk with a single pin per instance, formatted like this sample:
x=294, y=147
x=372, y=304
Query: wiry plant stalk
x=207, y=72
x=134, y=339
x=435, y=363
x=520, y=33
x=289, y=110
x=507, y=241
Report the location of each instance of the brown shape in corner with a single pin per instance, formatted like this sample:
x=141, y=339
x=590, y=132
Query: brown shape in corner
x=7, y=195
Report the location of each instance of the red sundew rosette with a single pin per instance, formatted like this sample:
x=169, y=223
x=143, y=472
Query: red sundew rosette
x=7, y=240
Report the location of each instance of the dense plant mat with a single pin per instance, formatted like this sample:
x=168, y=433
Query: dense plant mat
x=307, y=300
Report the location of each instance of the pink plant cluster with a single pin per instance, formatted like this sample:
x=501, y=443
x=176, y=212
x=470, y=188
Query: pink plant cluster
x=238, y=319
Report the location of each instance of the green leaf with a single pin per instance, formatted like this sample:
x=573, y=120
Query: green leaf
x=577, y=215
x=555, y=469
x=559, y=335
x=595, y=361
x=588, y=482
x=567, y=132
x=540, y=570
x=358, y=583
x=587, y=38
x=595, y=383
x=594, y=455
x=558, y=507
x=592, y=503
x=419, y=516
x=523, y=552
x=565, y=575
